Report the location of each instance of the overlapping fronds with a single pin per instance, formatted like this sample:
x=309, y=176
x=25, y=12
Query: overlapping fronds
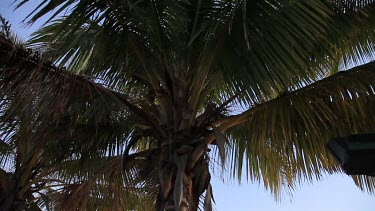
x=283, y=141
x=55, y=91
x=293, y=45
x=63, y=173
x=170, y=71
x=100, y=185
x=264, y=52
x=59, y=117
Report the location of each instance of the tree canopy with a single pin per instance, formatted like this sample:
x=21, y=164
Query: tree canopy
x=124, y=100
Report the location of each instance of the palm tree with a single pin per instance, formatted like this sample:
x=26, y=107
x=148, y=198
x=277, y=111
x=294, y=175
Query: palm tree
x=40, y=165
x=42, y=170
x=168, y=81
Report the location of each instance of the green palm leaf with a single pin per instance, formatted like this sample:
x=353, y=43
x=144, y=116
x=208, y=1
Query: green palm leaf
x=285, y=137
x=158, y=80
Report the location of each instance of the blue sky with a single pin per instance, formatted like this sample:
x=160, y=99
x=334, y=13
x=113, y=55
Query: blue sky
x=332, y=193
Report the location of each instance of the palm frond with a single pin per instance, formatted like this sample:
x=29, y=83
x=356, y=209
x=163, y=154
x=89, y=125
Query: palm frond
x=172, y=71
x=365, y=183
x=293, y=43
x=283, y=140
x=101, y=186
x=53, y=91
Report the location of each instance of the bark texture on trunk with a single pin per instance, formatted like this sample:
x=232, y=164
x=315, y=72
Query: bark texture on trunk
x=182, y=125
x=181, y=183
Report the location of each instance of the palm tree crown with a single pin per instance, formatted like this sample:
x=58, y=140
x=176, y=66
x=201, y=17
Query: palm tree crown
x=149, y=88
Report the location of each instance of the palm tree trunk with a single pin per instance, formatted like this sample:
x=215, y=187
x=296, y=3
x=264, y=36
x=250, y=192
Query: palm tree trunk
x=183, y=174
x=8, y=193
x=180, y=186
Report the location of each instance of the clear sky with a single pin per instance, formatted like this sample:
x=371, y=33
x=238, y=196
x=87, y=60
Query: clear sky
x=333, y=193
